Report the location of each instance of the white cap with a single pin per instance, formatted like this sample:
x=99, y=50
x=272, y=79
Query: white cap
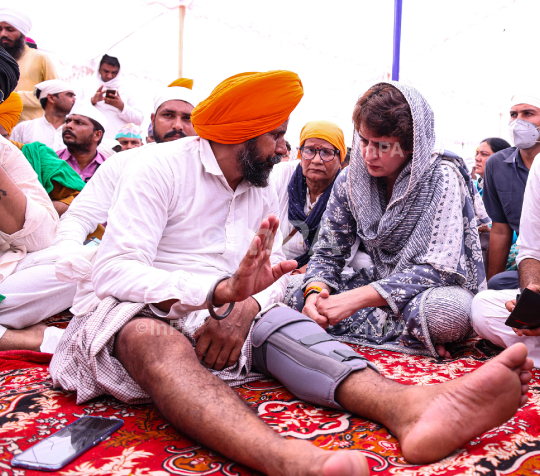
x=532, y=99
x=52, y=86
x=174, y=93
x=86, y=109
x=16, y=19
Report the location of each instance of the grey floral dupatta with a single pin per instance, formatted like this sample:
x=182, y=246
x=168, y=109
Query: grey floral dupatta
x=424, y=244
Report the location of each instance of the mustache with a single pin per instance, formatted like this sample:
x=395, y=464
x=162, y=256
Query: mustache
x=174, y=133
x=70, y=133
x=274, y=160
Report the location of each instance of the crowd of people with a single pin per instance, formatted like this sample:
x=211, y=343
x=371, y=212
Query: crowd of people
x=208, y=254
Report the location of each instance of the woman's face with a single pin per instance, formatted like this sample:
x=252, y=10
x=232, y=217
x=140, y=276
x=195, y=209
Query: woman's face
x=316, y=170
x=384, y=157
x=482, y=154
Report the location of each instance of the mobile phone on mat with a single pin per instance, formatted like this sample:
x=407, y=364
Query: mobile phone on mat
x=526, y=314
x=57, y=450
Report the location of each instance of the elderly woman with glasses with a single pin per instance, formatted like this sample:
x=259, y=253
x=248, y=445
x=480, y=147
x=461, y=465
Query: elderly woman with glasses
x=304, y=187
x=417, y=213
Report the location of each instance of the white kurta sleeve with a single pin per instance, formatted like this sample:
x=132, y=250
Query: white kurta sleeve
x=124, y=264
x=529, y=236
x=40, y=216
x=131, y=111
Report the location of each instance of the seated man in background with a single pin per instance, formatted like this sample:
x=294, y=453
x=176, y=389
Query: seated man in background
x=491, y=308
x=83, y=132
x=505, y=177
x=27, y=223
x=56, y=98
x=180, y=269
x=129, y=137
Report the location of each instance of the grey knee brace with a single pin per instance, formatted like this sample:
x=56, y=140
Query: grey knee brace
x=296, y=351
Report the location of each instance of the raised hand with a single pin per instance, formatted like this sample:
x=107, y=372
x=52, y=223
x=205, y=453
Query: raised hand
x=98, y=96
x=255, y=272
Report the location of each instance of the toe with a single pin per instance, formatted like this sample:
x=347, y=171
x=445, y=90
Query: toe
x=513, y=357
x=523, y=400
x=346, y=463
x=525, y=377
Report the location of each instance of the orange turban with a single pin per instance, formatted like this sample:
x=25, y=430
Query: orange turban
x=10, y=111
x=182, y=82
x=324, y=130
x=247, y=105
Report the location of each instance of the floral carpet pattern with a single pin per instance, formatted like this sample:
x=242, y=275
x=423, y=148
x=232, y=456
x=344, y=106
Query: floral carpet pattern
x=30, y=410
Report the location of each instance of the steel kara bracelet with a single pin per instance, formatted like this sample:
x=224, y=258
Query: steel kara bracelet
x=210, y=299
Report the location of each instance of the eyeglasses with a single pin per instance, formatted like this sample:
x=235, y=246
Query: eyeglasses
x=326, y=155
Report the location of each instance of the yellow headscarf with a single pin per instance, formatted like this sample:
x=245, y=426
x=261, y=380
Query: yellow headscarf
x=182, y=82
x=10, y=111
x=324, y=130
x=247, y=105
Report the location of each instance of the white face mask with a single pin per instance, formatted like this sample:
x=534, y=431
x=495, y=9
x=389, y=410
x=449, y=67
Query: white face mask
x=524, y=134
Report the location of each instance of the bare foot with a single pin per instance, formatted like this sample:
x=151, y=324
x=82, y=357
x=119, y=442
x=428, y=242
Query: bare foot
x=447, y=416
x=441, y=350
x=29, y=338
x=346, y=463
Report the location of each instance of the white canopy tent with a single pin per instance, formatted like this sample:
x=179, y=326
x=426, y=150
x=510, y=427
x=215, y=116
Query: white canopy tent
x=467, y=58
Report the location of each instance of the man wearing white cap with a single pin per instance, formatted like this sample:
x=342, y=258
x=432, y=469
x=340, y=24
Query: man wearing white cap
x=505, y=176
x=83, y=132
x=35, y=66
x=56, y=98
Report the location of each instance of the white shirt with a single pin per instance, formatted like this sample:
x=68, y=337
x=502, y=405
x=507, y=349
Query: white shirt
x=529, y=229
x=176, y=226
x=38, y=130
x=116, y=119
x=40, y=217
x=91, y=206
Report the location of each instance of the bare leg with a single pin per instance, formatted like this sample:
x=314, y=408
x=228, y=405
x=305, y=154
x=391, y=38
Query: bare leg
x=200, y=405
x=432, y=421
x=29, y=338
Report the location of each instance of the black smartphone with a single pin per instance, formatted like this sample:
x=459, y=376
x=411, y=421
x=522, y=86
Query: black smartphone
x=57, y=450
x=526, y=314
x=110, y=93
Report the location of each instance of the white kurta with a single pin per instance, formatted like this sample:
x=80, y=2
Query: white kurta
x=116, y=118
x=529, y=230
x=176, y=226
x=38, y=130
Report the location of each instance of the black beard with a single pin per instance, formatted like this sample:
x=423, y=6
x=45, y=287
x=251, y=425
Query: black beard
x=79, y=146
x=17, y=50
x=159, y=139
x=254, y=168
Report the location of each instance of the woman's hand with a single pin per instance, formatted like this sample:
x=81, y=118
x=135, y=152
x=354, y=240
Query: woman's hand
x=336, y=307
x=310, y=310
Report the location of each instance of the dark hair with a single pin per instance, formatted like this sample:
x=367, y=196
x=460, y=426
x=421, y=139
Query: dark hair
x=384, y=111
x=110, y=60
x=496, y=143
x=31, y=45
x=288, y=145
x=97, y=127
x=43, y=101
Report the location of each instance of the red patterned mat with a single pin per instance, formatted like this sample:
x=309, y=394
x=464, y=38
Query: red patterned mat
x=30, y=410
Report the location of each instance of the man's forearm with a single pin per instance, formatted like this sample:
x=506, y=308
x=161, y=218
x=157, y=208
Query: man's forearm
x=12, y=205
x=529, y=272
x=500, y=242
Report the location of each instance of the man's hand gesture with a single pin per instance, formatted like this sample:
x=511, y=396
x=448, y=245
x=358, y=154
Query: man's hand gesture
x=115, y=101
x=255, y=271
x=98, y=96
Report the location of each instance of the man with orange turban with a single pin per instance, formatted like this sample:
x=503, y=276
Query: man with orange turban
x=199, y=285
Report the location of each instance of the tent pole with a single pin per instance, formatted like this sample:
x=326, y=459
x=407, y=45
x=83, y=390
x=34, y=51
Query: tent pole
x=398, y=4
x=182, y=10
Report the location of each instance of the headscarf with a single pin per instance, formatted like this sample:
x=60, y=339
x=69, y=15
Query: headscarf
x=16, y=19
x=86, y=109
x=247, y=105
x=51, y=86
x=526, y=97
x=129, y=131
x=174, y=93
x=182, y=82
x=324, y=130
x=10, y=111
x=423, y=223
x=49, y=167
x=9, y=74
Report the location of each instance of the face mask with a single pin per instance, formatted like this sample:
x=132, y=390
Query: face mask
x=524, y=134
